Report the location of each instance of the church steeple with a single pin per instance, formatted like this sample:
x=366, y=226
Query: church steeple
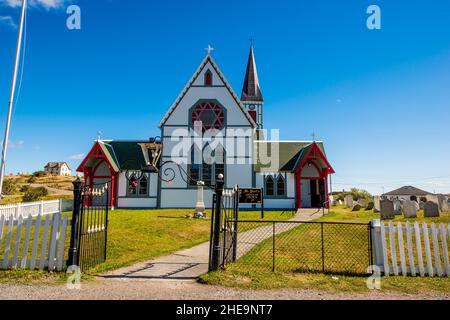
x=251, y=92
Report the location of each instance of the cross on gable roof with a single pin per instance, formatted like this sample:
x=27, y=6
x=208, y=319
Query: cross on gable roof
x=196, y=74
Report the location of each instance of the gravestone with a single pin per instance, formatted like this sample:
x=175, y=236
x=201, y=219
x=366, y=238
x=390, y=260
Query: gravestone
x=433, y=198
x=421, y=205
x=370, y=206
x=409, y=209
x=443, y=203
x=348, y=201
x=340, y=202
x=376, y=204
x=397, y=207
x=387, y=209
x=416, y=205
x=362, y=202
x=356, y=207
x=430, y=210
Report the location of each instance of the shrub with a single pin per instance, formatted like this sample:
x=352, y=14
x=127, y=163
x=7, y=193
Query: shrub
x=24, y=188
x=9, y=187
x=32, y=179
x=35, y=194
x=39, y=174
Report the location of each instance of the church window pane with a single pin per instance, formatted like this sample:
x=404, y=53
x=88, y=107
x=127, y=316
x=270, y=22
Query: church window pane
x=143, y=186
x=210, y=114
x=269, y=186
x=208, y=78
x=132, y=185
x=281, y=188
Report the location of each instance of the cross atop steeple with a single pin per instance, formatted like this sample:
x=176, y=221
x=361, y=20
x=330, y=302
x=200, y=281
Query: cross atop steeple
x=209, y=49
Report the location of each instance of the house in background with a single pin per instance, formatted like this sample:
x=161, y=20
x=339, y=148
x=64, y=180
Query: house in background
x=408, y=193
x=58, y=168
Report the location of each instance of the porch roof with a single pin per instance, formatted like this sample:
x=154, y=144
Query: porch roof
x=290, y=154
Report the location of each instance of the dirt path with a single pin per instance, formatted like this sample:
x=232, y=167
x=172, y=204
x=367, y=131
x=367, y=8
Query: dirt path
x=132, y=289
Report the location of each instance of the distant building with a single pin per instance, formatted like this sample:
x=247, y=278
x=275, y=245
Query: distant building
x=407, y=193
x=58, y=168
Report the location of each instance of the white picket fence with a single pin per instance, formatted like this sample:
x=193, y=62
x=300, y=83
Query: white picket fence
x=35, y=208
x=412, y=249
x=33, y=242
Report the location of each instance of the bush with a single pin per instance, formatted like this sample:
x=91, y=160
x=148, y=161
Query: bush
x=32, y=179
x=35, y=194
x=9, y=187
x=356, y=194
x=24, y=188
x=39, y=174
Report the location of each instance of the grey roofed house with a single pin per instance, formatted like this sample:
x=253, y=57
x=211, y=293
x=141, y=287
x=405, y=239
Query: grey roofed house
x=407, y=191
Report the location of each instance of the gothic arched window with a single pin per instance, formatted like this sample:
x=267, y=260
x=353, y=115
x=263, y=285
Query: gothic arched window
x=208, y=78
x=137, y=187
x=132, y=185
x=281, y=186
x=206, y=165
x=269, y=186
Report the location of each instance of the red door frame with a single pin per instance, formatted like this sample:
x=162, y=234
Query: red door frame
x=314, y=153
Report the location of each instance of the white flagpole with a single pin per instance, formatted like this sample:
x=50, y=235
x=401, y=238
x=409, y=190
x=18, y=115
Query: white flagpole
x=11, y=98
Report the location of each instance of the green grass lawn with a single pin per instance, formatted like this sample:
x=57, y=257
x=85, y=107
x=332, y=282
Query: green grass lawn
x=139, y=235
x=298, y=249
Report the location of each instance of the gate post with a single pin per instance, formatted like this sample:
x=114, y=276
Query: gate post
x=73, y=248
x=215, y=261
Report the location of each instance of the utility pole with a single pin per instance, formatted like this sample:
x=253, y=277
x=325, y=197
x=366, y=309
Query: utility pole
x=11, y=98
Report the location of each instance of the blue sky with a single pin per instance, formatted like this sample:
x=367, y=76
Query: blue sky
x=379, y=99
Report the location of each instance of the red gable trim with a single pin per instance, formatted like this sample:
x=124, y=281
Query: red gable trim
x=315, y=153
x=97, y=153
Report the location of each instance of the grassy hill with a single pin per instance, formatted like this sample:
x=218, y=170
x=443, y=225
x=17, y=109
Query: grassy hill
x=57, y=187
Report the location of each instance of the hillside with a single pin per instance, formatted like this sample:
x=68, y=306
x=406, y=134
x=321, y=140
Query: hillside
x=57, y=186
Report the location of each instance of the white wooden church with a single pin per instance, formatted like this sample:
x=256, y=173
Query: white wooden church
x=210, y=130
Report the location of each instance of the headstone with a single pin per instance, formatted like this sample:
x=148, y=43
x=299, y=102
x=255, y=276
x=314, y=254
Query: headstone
x=443, y=202
x=340, y=202
x=387, y=209
x=376, y=204
x=421, y=205
x=397, y=207
x=409, y=209
x=430, y=210
x=356, y=207
x=416, y=205
x=433, y=198
x=348, y=201
x=370, y=206
x=362, y=203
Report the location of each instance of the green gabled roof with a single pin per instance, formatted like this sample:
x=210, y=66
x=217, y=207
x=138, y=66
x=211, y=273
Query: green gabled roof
x=126, y=155
x=290, y=153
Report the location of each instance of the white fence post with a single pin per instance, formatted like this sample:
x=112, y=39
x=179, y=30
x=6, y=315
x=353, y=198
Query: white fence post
x=377, y=246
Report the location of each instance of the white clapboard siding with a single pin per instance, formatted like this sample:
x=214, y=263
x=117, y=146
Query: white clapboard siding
x=47, y=242
x=35, y=208
x=422, y=249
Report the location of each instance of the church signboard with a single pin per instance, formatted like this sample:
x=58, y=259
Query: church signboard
x=253, y=196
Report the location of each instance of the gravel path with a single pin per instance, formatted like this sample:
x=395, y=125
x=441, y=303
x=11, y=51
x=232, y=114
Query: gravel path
x=112, y=289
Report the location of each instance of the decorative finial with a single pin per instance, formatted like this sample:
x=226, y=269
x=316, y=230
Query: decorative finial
x=251, y=41
x=99, y=135
x=209, y=49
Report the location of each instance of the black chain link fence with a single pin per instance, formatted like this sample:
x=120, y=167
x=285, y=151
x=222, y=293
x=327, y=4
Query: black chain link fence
x=294, y=246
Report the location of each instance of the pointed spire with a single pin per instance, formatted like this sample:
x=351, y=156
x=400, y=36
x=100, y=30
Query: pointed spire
x=251, y=90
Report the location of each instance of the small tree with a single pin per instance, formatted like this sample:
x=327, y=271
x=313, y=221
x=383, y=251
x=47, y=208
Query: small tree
x=9, y=187
x=35, y=194
x=39, y=173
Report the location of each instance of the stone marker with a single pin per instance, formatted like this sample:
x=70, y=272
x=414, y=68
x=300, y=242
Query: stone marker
x=421, y=205
x=340, y=202
x=356, y=207
x=386, y=209
x=362, y=202
x=430, y=210
x=443, y=203
x=370, y=206
x=397, y=207
x=409, y=209
x=416, y=205
x=348, y=201
x=376, y=204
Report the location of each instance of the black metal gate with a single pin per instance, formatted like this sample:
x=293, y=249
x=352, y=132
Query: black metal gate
x=89, y=232
x=224, y=231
